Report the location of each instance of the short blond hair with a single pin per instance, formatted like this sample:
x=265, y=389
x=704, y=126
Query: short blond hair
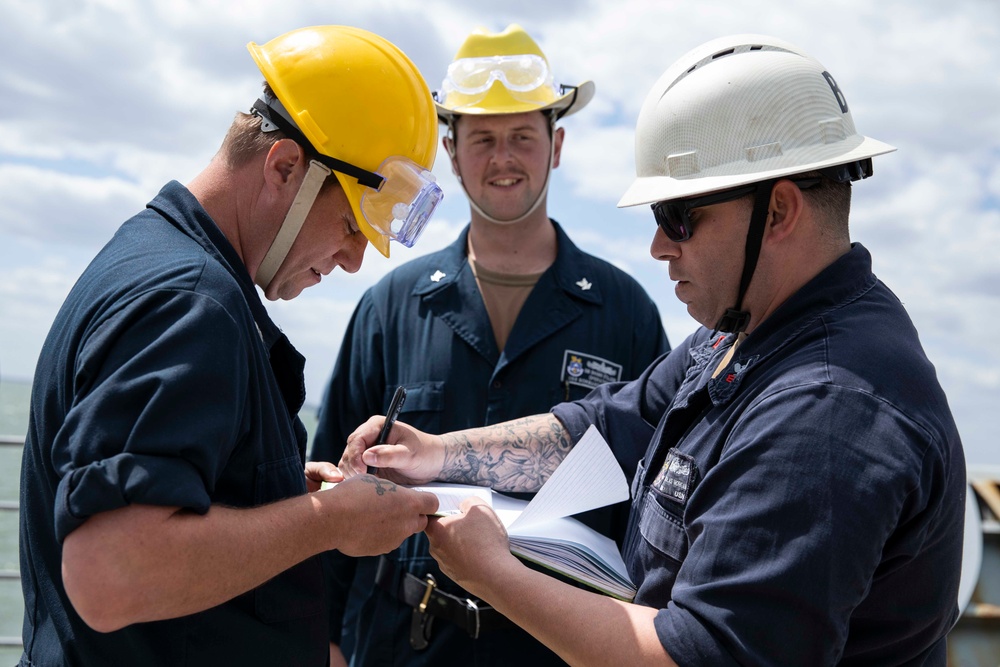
x=245, y=141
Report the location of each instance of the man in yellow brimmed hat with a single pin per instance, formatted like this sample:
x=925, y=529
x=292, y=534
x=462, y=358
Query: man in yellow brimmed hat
x=508, y=320
x=166, y=519
x=506, y=74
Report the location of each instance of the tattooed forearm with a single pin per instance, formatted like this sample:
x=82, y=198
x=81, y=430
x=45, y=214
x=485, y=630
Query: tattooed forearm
x=518, y=455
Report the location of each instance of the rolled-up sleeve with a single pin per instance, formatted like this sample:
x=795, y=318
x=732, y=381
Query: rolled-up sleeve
x=159, y=398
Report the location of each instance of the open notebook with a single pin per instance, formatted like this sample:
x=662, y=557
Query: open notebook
x=543, y=530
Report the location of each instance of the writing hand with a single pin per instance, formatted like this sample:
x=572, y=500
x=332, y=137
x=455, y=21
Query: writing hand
x=413, y=457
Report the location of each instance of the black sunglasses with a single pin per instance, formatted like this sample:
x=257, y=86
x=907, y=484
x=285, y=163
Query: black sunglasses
x=672, y=215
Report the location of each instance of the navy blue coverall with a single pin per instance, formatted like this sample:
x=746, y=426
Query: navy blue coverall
x=164, y=382
x=424, y=326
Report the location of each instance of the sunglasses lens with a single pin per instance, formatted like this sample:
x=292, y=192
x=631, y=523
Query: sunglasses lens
x=673, y=220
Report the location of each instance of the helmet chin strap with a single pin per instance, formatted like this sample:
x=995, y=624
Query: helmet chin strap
x=735, y=320
x=541, y=194
x=292, y=225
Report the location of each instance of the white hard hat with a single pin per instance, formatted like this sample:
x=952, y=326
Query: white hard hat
x=739, y=110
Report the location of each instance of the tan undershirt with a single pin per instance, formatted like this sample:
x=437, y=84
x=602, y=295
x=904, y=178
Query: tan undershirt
x=504, y=295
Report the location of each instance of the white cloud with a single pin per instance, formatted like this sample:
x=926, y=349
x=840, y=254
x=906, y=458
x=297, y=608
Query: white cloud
x=117, y=97
x=59, y=208
x=30, y=297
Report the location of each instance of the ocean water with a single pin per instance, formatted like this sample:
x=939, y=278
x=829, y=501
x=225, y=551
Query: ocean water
x=14, y=401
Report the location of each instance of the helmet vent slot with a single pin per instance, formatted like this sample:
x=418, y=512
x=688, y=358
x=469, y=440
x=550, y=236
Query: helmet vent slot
x=682, y=164
x=764, y=151
x=832, y=130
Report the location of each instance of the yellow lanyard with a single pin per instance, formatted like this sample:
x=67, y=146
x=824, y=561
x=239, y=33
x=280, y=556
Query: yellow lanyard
x=729, y=354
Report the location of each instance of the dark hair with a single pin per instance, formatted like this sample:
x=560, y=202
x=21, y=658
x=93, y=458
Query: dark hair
x=832, y=201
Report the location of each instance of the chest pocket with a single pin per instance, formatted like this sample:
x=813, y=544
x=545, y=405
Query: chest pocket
x=297, y=592
x=662, y=520
x=424, y=405
x=568, y=392
x=662, y=527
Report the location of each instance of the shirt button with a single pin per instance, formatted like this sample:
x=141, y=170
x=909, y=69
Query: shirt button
x=497, y=384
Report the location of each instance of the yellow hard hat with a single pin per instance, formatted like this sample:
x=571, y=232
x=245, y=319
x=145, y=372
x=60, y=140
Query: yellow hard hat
x=505, y=73
x=358, y=99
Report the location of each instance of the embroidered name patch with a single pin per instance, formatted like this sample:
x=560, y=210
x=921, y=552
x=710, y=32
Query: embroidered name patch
x=588, y=371
x=676, y=476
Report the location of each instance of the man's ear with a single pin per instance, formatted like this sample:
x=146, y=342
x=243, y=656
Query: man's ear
x=449, y=146
x=557, y=136
x=283, y=159
x=786, y=210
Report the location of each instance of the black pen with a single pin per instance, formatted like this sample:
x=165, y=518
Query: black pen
x=390, y=418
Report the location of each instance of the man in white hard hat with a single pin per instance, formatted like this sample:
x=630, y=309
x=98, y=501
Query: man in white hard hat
x=800, y=501
x=507, y=321
x=168, y=515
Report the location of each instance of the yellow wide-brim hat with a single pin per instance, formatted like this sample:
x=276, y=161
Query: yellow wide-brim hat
x=498, y=99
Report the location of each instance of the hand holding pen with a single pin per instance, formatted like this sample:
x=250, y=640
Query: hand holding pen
x=412, y=458
x=390, y=418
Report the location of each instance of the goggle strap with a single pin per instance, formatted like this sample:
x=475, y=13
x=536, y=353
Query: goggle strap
x=292, y=224
x=367, y=178
x=563, y=87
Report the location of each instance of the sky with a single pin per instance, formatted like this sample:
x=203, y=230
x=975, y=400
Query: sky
x=107, y=100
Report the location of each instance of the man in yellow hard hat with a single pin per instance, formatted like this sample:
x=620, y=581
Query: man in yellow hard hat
x=508, y=320
x=799, y=493
x=165, y=516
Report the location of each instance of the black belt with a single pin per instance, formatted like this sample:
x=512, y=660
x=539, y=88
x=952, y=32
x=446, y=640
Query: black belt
x=429, y=602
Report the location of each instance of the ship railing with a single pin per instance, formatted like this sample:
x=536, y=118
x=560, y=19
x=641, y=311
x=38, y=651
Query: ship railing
x=7, y=575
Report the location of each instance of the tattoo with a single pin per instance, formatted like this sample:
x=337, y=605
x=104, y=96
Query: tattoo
x=518, y=455
x=382, y=486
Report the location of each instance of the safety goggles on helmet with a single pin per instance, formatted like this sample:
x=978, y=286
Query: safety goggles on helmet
x=673, y=216
x=400, y=196
x=518, y=74
x=401, y=207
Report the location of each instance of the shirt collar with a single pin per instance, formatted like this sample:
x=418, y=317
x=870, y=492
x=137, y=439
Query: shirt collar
x=571, y=271
x=183, y=210
x=845, y=280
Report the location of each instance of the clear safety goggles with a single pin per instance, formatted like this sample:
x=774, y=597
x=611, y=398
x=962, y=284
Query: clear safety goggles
x=397, y=203
x=403, y=203
x=519, y=74
x=399, y=197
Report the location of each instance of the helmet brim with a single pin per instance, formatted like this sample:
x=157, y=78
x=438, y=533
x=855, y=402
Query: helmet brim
x=650, y=189
x=354, y=191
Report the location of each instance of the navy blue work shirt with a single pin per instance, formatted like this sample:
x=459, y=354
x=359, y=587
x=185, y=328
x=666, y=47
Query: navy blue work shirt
x=805, y=507
x=164, y=382
x=424, y=326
